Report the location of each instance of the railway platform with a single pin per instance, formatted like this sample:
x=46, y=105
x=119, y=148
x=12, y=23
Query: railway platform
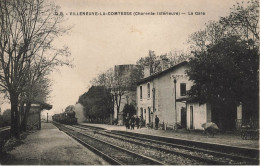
x=219, y=139
x=50, y=146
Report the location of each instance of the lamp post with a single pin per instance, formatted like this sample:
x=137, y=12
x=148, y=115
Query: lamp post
x=127, y=101
x=153, y=91
x=153, y=99
x=47, y=117
x=175, y=81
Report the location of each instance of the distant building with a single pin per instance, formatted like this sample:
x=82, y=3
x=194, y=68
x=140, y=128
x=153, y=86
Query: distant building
x=124, y=71
x=165, y=94
x=129, y=97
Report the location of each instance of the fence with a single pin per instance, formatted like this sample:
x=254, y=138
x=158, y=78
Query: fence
x=253, y=123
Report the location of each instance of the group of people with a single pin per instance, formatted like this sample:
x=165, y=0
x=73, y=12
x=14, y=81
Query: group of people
x=130, y=122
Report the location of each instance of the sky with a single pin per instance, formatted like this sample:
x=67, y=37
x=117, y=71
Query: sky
x=97, y=43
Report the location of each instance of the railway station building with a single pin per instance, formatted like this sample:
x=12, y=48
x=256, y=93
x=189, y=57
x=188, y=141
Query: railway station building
x=34, y=116
x=165, y=94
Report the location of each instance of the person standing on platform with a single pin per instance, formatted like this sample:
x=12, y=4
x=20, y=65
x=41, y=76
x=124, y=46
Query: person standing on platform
x=132, y=122
x=156, y=122
x=127, y=122
x=137, y=120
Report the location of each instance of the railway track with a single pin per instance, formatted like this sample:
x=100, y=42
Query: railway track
x=114, y=154
x=192, y=152
x=5, y=132
x=239, y=152
x=5, y=128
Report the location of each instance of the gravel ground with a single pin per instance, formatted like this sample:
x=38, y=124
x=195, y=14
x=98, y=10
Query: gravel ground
x=50, y=146
x=161, y=156
x=193, y=153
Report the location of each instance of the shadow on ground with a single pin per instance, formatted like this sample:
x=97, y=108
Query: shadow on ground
x=12, y=143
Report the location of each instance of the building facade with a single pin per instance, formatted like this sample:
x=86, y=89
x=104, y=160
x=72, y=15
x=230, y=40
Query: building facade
x=165, y=94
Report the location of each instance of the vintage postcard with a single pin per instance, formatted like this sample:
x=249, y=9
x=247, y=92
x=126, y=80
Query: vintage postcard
x=129, y=82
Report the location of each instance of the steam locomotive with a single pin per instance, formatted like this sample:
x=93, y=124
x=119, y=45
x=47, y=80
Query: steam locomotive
x=67, y=117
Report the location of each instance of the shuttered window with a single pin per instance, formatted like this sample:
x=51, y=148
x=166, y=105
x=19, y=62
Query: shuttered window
x=148, y=90
x=183, y=89
x=141, y=92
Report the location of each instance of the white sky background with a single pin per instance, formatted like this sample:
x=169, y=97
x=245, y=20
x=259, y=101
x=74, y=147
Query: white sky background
x=100, y=42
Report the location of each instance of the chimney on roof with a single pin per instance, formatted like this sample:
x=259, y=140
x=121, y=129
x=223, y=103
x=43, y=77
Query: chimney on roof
x=147, y=72
x=165, y=64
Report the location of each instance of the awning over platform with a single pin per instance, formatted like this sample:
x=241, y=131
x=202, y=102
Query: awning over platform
x=188, y=100
x=42, y=105
x=183, y=99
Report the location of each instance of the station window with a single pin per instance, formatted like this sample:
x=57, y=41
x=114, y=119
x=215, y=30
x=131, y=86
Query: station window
x=183, y=89
x=141, y=92
x=148, y=90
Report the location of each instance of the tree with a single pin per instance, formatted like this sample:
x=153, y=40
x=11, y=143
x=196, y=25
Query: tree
x=97, y=103
x=119, y=87
x=129, y=110
x=36, y=90
x=1, y=119
x=211, y=34
x=227, y=73
x=28, y=29
x=6, y=117
x=228, y=47
x=119, y=83
x=177, y=56
x=242, y=21
x=154, y=62
x=104, y=79
x=244, y=18
x=151, y=60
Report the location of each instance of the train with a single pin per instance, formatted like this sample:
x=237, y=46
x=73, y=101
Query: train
x=67, y=117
